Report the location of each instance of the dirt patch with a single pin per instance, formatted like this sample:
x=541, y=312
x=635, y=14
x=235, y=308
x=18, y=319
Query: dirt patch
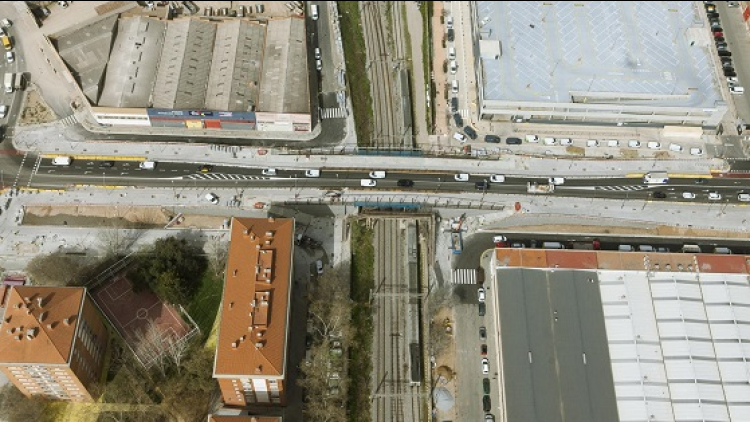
x=121, y=216
x=575, y=150
x=445, y=361
x=629, y=153
x=35, y=110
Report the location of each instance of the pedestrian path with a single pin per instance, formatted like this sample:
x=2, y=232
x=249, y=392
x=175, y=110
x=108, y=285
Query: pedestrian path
x=221, y=176
x=333, y=113
x=622, y=188
x=464, y=276
x=69, y=121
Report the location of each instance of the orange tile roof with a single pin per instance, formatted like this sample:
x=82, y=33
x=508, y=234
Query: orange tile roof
x=254, y=309
x=26, y=339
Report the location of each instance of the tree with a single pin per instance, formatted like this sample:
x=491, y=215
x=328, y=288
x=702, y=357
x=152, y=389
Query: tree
x=56, y=269
x=325, y=404
x=151, y=347
x=118, y=239
x=217, y=251
x=330, y=304
x=172, y=268
x=15, y=407
x=189, y=396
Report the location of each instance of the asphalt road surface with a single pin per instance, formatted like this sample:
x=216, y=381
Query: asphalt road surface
x=40, y=173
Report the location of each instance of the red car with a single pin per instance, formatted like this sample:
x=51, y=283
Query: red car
x=484, y=350
x=718, y=34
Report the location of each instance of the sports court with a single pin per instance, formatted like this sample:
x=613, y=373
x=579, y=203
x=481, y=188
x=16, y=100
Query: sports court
x=130, y=312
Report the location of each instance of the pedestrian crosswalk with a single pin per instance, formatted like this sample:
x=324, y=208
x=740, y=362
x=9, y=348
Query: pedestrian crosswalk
x=464, y=112
x=621, y=188
x=333, y=113
x=222, y=176
x=69, y=121
x=464, y=276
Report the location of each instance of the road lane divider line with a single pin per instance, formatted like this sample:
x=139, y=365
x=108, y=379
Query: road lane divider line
x=99, y=157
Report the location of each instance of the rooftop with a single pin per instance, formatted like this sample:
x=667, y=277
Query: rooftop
x=677, y=328
x=628, y=53
x=39, y=324
x=254, y=308
x=284, y=87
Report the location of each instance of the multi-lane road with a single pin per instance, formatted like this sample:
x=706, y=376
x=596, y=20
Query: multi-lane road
x=42, y=174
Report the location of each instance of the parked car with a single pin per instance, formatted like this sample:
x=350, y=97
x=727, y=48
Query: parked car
x=513, y=141
x=660, y=195
x=486, y=383
x=482, y=308
x=481, y=295
x=566, y=142
x=268, y=172
x=714, y=196
x=483, y=350
x=212, y=198
x=485, y=366
x=482, y=333
x=458, y=120
x=688, y=195
x=454, y=105
x=470, y=132
x=312, y=173
x=461, y=177
x=486, y=403
x=493, y=139
x=319, y=266
x=497, y=178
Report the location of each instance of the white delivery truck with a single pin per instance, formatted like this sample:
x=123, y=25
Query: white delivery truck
x=540, y=188
x=9, y=80
x=656, y=178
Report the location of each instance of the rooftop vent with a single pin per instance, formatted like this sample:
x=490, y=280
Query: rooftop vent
x=234, y=273
x=26, y=299
x=269, y=233
x=231, y=305
x=66, y=321
x=16, y=306
x=271, y=219
x=259, y=345
x=30, y=333
x=18, y=337
x=39, y=301
x=234, y=345
x=259, y=369
x=247, y=232
x=42, y=316
x=50, y=326
x=28, y=311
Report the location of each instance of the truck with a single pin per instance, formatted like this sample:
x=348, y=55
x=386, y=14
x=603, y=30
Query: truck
x=9, y=79
x=537, y=188
x=6, y=42
x=18, y=84
x=656, y=178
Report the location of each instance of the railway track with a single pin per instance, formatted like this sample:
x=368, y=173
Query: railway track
x=393, y=398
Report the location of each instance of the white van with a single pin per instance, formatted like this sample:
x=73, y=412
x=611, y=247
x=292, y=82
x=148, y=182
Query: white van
x=61, y=161
x=147, y=165
x=675, y=147
x=550, y=141
x=532, y=138
x=592, y=143
x=314, y=12
x=743, y=197
x=625, y=248
x=368, y=183
x=377, y=174
x=723, y=251
x=646, y=248
x=613, y=143
x=557, y=180
x=552, y=245
x=737, y=90
x=451, y=53
x=454, y=86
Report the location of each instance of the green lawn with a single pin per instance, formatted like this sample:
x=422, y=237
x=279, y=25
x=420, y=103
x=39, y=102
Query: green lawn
x=360, y=365
x=205, y=305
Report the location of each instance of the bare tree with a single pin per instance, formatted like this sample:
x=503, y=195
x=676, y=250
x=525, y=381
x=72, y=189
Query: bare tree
x=327, y=401
x=56, y=269
x=217, y=252
x=177, y=350
x=152, y=348
x=330, y=304
x=118, y=238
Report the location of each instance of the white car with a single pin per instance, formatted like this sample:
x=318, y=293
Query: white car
x=319, y=266
x=212, y=198
x=3, y=111
x=550, y=141
x=377, y=174
x=654, y=145
x=634, y=144
x=5, y=23
x=592, y=143
x=317, y=53
x=10, y=57
x=497, y=178
x=688, y=195
x=732, y=80
x=714, y=196
x=460, y=137
x=461, y=177
x=557, y=180
x=481, y=294
x=268, y=172
x=485, y=366
x=613, y=143
x=696, y=151
x=368, y=183
x=532, y=138
x=499, y=238
x=566, y=142
x=454, y=67
x=312, y=173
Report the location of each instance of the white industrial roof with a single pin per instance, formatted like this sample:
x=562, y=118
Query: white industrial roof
x=679, y=344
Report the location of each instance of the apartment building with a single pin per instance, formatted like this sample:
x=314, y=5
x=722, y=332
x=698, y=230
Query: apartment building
x=52, y=342
x=250, y=363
